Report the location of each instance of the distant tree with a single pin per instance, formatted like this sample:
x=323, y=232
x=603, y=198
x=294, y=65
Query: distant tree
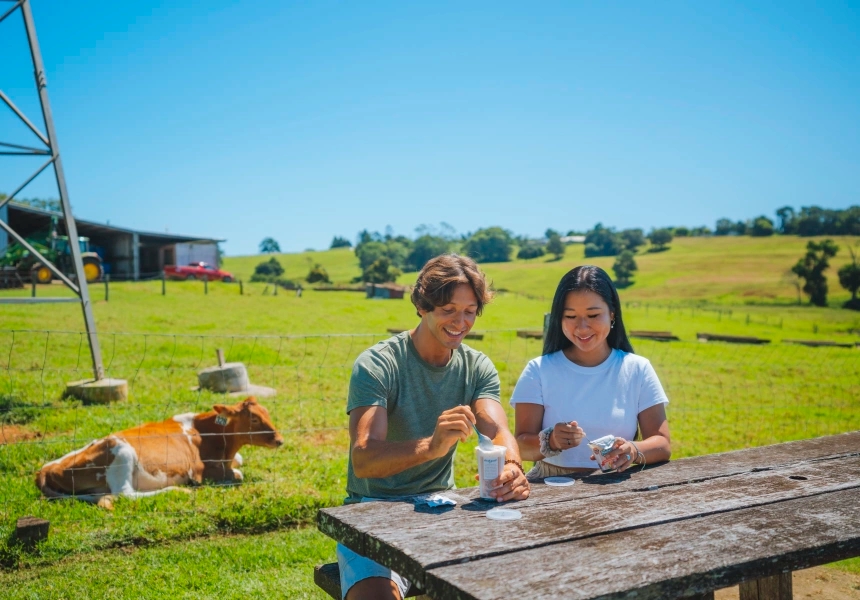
x=632, y=239
x=700, y=231
x=317, y=274
x=381, y=271
x=369, y=252
x=793, y=279
x=492, y=244
x=741, y=228
x=340, y=242
x=602, y=241
x=397, y=250
x=624, y=267
x=550, y=232
x=52, y=204
x=660, y=238
x=680, y=231
x=849, y=278
x=811, y=268
x=761, y=227
x=724, y=227
x=786, y=219
x=530, y=250
x=555, y=246
x=423, y=249
x=269, y=245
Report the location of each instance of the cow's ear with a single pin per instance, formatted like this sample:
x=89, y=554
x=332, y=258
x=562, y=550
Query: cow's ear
x=223, y=414
x=251, y=400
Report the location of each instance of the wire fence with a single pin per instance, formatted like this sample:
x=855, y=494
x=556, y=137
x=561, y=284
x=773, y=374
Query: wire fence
x=722, y=396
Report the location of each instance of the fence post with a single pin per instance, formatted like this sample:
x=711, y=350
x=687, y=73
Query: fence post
x=163, y=284
x=107, y=290
x=206, y=284
x=276, y=288
x=33, y=290
x=241, y=288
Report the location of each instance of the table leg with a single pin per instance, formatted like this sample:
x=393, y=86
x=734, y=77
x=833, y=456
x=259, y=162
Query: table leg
x=776, y=587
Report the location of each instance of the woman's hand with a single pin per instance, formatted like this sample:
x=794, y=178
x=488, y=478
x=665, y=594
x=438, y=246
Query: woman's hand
x=566, y=435
x=622, y=456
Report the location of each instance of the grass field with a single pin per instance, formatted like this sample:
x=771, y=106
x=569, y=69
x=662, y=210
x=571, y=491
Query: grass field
x=723, y=397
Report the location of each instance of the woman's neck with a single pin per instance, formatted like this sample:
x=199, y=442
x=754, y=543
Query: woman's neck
x=592, y=359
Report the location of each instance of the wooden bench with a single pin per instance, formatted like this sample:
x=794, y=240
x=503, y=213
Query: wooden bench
x=327, y=577
x=530, y=334
x=733, y=339
x=660, y=336
x=818, y=343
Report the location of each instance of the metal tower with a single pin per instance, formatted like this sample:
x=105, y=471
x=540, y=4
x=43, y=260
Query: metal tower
x=51, y=149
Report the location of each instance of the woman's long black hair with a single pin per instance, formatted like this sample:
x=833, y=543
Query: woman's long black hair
x=592, y=279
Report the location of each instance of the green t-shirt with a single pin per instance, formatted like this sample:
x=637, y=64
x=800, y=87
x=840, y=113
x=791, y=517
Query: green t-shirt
x=393, y=375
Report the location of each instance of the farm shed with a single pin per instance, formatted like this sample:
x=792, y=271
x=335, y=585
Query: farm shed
x=384, y=290
x=127, y=254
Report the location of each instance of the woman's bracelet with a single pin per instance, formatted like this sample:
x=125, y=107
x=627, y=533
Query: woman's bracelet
x=640, y=456
x=545, y=448
x=638, y=452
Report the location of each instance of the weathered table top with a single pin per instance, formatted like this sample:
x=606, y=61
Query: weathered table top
x=682, y=528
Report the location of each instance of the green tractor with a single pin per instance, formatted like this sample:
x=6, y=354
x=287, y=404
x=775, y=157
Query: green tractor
x=57, y=250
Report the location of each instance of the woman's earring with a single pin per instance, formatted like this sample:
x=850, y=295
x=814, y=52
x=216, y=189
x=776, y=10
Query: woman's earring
x=612, y=324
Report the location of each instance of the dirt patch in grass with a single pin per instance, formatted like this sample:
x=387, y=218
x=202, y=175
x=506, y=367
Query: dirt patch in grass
x=10, y=434
x=818, y=582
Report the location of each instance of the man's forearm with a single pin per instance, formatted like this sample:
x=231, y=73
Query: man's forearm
x=505, y=438
x=379, y=458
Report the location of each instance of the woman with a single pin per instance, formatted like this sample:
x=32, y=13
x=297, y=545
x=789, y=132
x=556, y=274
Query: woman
x=587, y=384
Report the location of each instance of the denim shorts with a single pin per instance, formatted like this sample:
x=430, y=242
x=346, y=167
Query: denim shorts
x=355, y=567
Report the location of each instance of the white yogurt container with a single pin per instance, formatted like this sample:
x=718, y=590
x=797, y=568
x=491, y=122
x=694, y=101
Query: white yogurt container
x=490, y=466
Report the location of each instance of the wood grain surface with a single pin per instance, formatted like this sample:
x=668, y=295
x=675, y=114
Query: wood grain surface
x=689, y=514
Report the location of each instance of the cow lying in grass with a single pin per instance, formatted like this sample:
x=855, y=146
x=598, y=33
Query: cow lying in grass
x=155, y=457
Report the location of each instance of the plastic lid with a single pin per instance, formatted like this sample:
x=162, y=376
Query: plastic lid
x=504, y=514
x=559, y=481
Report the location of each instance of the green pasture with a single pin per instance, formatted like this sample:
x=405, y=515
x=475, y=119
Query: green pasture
x=723, y=396
x=727, y=270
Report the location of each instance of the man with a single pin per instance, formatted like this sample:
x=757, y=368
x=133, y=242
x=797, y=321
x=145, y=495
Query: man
x=412, y=397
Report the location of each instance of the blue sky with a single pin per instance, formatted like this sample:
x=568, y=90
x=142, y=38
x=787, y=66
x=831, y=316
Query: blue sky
x=306, y=120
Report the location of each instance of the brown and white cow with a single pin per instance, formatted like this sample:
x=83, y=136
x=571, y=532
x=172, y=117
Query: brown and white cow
x=155, y=457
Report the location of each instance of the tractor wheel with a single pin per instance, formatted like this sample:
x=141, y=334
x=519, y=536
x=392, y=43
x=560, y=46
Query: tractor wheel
x=41, y=274
x=191, y=277
x=92, y=270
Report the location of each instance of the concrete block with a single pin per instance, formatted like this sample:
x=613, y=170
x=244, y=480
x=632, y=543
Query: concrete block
x=103, y=391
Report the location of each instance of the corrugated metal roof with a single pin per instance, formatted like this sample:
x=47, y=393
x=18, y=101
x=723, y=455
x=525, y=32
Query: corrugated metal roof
x=85, y=226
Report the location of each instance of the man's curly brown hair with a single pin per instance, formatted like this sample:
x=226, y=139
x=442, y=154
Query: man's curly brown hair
x=439, y=277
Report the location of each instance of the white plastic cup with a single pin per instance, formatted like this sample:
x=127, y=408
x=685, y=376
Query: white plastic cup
x=490, y=466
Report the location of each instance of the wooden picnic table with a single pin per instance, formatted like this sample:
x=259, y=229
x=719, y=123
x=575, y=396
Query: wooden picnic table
x=677, y=530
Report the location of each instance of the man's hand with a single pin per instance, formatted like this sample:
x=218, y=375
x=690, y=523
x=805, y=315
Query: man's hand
x=510, y=485
x=454, y=425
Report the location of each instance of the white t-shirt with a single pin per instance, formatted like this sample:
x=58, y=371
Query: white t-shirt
x=605, y=399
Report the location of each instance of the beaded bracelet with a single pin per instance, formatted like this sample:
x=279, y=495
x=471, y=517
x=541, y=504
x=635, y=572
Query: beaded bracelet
x=511, y=461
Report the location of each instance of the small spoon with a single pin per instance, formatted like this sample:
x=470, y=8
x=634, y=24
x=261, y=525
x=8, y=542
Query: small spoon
x=483, y=441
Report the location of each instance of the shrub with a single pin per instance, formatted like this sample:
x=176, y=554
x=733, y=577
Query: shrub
x=318, y=275
x=268, y=270
x=530, y=251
